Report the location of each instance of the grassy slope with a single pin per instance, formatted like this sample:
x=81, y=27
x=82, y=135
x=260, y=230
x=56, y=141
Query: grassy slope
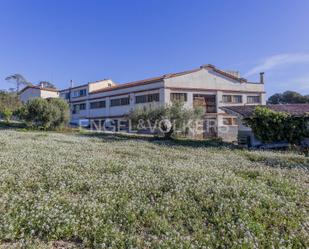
x=121, y=192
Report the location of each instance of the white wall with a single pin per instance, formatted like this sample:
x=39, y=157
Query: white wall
x=125, y=109
x=209, y=80
x=131, y=92
x=30, y=93
x=94, y=86
x=48, y=94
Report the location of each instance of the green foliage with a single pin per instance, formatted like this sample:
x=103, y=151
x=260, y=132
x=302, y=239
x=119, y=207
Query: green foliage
x=288, y=97
x=7, y=114
x=63, y=114
x=177, y=115
x=275, y=99
x=271, y=126
x=9, y=103
x=45, y=113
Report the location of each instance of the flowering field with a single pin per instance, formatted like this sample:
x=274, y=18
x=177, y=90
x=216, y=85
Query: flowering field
x=71, y=190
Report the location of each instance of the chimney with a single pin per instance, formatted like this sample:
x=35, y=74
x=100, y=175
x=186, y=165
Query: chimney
x=262, y=77
x=71, y=83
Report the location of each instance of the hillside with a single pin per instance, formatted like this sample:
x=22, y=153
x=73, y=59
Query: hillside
x=100, y=191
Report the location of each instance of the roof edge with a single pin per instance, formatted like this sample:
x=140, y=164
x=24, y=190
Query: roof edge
x=40, y=88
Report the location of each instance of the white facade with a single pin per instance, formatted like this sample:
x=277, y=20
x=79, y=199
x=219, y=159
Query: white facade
x=32, y=92
x=212, y=87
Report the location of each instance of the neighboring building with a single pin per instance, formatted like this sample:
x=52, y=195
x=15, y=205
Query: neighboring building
x=245, y=134
x=32, y=92
x=81, y=104
x=205, y=86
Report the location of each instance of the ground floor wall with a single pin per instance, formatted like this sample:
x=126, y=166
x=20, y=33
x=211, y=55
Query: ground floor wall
x=210, y=127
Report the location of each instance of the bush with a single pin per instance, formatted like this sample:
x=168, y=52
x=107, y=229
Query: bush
x=45, y=113
x=63, y=113
x=9, y=103
x=271, y=126
x=6, y=114
x=169, y=119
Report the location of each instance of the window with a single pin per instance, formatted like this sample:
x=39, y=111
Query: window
x=229, y=121
x=65, y=95
x=237, y=99
x=82, y=106
x=147, y=98
x=253, y=99
x=79, y=93
x=141, y=99
x=232, y=98
x=97, y=104
x=75, y=94
x=78, y=107
x=227, y=98
x=182, y=97
x=82, y=92
x=120, y=101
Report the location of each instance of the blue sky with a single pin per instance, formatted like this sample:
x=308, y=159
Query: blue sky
x=60, y=40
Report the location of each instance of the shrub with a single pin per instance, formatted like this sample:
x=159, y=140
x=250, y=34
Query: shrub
x=62, y=109
x=6, y=114
x=45, y=113
x=9, y=103
x=271, y=126
x=170, y=119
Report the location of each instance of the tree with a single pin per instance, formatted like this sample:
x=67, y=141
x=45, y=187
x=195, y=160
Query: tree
x=45, y=113
x=169, y=119
x=288, y=97
x=270, y=126
x=19, y=80
x=63, y=114
x=275, y=99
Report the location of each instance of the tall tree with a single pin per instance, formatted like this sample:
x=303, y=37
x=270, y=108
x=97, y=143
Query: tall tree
x=275, y=99
x=19, y=80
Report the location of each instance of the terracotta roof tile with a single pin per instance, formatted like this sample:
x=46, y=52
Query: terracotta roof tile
x=293, y=109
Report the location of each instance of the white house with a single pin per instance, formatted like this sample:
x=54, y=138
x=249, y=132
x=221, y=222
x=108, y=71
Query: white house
x=31, y=92
x=205, y=86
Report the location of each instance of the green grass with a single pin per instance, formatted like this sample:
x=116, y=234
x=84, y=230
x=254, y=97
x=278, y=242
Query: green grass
x=98, y=191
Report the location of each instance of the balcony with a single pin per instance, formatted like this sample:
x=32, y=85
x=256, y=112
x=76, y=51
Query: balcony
x=207, y=102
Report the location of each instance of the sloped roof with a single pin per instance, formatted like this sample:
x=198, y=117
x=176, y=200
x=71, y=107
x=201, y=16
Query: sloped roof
x=38, y=87
x=247, y=110
x=171, y=75
x=131, y=84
